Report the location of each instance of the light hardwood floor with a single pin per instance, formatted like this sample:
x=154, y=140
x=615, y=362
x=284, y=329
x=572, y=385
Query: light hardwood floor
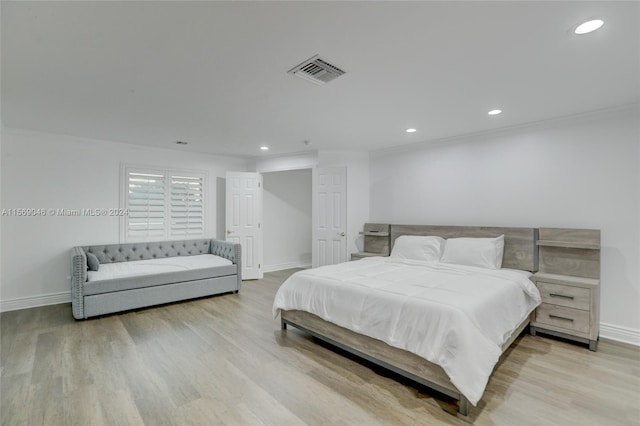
x=224, y=360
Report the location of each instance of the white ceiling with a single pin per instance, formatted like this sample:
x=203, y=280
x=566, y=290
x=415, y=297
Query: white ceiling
x=215, y=73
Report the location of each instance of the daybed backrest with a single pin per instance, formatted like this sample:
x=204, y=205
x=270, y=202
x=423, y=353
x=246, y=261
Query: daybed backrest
x=113, y=253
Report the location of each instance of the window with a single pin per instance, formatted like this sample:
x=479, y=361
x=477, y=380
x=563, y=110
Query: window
x=163, y=204
x=186, y=206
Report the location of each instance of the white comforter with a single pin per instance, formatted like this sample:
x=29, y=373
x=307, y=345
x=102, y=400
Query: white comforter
x=455, y=316
x=134, y=268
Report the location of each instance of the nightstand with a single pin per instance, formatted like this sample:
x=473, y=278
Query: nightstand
x=376, y=240
x=569, y=283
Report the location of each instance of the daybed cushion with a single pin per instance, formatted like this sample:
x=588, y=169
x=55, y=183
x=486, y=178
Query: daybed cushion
x=122, y=276
x=92, y=262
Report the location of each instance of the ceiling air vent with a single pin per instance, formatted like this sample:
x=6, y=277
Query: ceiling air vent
x=316, y=70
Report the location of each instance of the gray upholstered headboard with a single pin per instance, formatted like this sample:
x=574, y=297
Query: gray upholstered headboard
x=111, y=253
x=520, y=250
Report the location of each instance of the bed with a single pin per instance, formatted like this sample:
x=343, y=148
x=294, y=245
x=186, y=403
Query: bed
x=451, y=323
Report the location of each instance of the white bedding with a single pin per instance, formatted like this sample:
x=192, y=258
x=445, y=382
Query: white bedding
x=134, y=268
x=455, y=316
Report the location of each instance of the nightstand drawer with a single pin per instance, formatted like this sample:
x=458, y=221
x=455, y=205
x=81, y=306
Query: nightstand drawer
x=564, y=295
x=558, y=316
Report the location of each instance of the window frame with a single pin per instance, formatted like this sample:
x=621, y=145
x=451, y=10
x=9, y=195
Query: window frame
x=168, y=173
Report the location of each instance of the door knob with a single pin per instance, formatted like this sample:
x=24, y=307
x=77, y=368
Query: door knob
x=342, y=234
x=229, y=231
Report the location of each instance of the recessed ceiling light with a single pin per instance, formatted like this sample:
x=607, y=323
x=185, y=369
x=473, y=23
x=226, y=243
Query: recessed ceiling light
x=588, y=26
x=264, y=148
x=495, y=112
x=411, y=130
x=181, y=142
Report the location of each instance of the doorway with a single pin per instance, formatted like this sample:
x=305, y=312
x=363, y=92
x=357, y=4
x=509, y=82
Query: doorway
x=287, y=219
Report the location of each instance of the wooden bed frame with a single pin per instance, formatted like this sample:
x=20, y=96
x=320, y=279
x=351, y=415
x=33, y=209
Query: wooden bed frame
x=520, y=252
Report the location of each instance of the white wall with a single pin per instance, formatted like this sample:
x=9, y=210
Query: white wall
x=42, y=170
x=287, y=219
x=276, y=163
x=575, y=173
x=1, y=206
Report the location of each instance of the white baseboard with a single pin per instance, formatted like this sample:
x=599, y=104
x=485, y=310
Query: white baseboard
x=281, y=266
x=35, y=301
x=620, y=334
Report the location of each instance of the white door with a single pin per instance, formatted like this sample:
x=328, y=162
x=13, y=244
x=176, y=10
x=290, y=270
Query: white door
x=244, y=218
x=329, y=216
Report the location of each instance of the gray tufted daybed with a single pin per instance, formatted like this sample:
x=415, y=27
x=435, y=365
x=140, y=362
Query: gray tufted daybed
x=102, y=296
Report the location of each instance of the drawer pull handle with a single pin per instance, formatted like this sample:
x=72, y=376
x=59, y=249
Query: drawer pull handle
x=561, y=295
x=560, y=318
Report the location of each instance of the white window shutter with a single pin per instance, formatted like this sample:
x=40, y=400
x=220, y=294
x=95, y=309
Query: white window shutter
x=146, y=205
x=187, y=206
x=163, y=204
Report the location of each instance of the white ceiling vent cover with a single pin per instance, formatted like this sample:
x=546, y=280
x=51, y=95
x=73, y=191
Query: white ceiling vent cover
x=316, y=70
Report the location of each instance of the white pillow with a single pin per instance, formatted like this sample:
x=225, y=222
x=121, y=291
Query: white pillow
x=418, y=248
x=482, y=252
